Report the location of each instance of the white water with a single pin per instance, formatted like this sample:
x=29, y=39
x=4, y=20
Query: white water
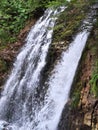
x=20, y=110
x=16, y=103
x=60, y=84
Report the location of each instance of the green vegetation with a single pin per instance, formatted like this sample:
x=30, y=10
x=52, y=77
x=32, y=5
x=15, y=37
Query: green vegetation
x=94, y=78
x=94, y=82
x=3, y=66
x=15, y=13
x=75, y=99
x=56, y=3
x=70, y=20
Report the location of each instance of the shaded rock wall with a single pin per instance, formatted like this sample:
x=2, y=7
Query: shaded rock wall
x=81, y=111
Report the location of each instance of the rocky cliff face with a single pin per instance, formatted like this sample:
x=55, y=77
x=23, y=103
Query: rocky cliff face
x=85, y=113
x=84, y=107
x=81, y=111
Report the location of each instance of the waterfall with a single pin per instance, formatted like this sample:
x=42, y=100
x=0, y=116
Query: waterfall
x=17, y=99
x=20, y=109
x=60, y=84
x=61, y=79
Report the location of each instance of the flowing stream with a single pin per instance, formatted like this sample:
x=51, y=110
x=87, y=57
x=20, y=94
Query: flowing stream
x=20, y=108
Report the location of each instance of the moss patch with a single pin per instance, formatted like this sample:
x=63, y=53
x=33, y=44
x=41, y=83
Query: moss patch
x=70, y=20
x=3, y=66
x=88, y=77
x=94, y=77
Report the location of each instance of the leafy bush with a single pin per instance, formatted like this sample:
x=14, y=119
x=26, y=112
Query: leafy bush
x=13, y=15
x=75, y=99
x=56, y=3
x=94, y=81
x=70, y=20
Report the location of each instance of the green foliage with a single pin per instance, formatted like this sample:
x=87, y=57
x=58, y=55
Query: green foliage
x=70, y=20
x=94, y=81
x=3, y=66
x=93, y=1
x=56, y=3
x=13, y=15
x=76, y=93
x=75, y=99
x=94, y=77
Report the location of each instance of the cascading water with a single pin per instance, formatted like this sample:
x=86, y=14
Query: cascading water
x=19, y=108
x=17, y=99
x=61, y=80
x=60, y=84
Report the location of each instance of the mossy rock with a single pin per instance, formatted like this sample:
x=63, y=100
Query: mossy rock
x=70, y=20
x=3, y=66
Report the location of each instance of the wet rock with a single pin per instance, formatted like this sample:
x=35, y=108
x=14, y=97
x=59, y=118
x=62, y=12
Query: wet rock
x=85, y=127
x=87, y=119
